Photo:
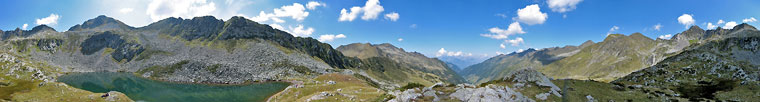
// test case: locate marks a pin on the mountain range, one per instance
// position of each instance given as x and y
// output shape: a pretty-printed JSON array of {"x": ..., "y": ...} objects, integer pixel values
[{"x": 695, "y": 65}]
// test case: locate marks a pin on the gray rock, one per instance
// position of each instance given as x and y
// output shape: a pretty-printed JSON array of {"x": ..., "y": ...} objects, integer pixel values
[
  {"x": 590, "y": 99},
  {"x": 542, "y": 96},
  {"x": 490, "y": 93}
]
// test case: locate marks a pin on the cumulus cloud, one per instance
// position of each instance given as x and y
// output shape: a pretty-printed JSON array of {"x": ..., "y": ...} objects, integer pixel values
[
  {"x": 613, "y": 29},
  {"x": 748, "y": 20},
  {"x": 711, "y": 26},
  {"x": 520, "y": 50},
  {"x": 393, "y": 16},
  {"x": 443, "y": 52},
  {"x": 498, "y": 33},
  {"x": 515, "y": 42},
  {"x": 50, "y": 20},
  {"x": 301, "y": 31},
  {"x": 330, "y": 37},
  {"x": 400, "y": 39},
  {"x": 562, "y": 6},
  {"x": 126, "y": 10},
  {"x": 666, "y": 36},
  {"x": 730, "y": 25},
  {"x": 721, "y": 22},
  {"x": 313, "y": 5},
  {"x": 531, "y": 15},
  {"x": 370, "y": 11},
  {"x": 278, "y": 26},
  {"x": 24, "y": 26},
  {"x": 296, "y": 11},
  {"x": 160, "y": 9},
  {"x": 657, "y": 27},
  {"x": 686, "y": 20},
  {"x": 502, "y": 46}
]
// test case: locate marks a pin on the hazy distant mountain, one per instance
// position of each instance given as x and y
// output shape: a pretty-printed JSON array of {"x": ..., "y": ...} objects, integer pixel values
[
  {"x": 501, "y": 65},
  {"x": 463, "y": 61}
]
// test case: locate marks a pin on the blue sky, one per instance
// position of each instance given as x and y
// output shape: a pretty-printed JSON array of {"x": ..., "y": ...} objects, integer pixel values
[{"x": 425, "y": 26}]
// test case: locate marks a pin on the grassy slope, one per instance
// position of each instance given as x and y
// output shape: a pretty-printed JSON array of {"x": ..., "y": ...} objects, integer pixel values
[
  {"x": 352, "y": 89},
  {"x": 615, "y": 57}
]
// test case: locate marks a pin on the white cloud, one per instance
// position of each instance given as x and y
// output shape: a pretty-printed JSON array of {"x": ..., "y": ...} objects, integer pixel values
[
  {"x": 370, "y": 11},
  {"x": 300, "y": 31},
  {"x": 666, "y": 36},
  {"x": 686, "y": 20},
  {"x": 711, "y": 26},
  {"x": 393, "y": 16},
  {"x": 501, "y": 15},
  {"x": 498, "y": 33},
  {"x": 730, "y": 25},
  {"x": 413, "y": 26},
  {"x": 296, "y": 11},
  {"x": 613, "y": 29},
  {"x": 346, "y": 16},
  {"x": 516, "y": 41},
  {"x": 313, "y": 5},
  {"x": 502, "y": 46},
  {"x": 330, "y": 37},
  {"x": 126, "y": 10},
  {"x": 400, "y": 39},
  {"x": 520, "y": 50},
  {"x": 721, "y": 22},
  {"x": 24, "y": 26},
  {"x": 531, "y": 15},
  {"x": 562, "y": 6},
  {"x": 160, "y": 9},
  {"x": 443, "y": 52},
  {"x": 278, "y": 26},
  {"x": 657, "y": 27},
  {"x": 50, "y": 20},
  {"x": 751, "y": 19}
]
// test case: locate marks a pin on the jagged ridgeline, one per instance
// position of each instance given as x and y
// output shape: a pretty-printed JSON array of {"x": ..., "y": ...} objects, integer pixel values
[
  {"x": 723, "y": 65},
  {"x": 208, "y": 28}
]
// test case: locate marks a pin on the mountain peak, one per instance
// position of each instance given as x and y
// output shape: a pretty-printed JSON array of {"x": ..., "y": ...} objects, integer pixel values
[
  {"x": 587, "y": 43},
  {"x": 613, "y": 36},
  {"x": 744, "y": 26},
  {"x": 42, "y": 28},
  {"x": 101, "y": 22},
  {"x": 695, "y": 27},
  {"x": 694, "y": 32}
]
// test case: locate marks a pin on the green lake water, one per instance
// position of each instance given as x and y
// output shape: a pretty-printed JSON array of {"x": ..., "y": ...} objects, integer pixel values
[{"x": 146, "y": 90}]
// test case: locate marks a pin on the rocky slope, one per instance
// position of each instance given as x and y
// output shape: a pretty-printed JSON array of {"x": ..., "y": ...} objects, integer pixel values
[
  {"x": 394, "y": 65},
  {"x": 202, "y": 49},
  {"x": 725, "y": 69}
]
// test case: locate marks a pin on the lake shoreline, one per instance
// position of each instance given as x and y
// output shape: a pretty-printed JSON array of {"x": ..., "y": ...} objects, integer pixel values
[
  {"x": 285, "y": 84},
  {"x": 203, "y": 83}
]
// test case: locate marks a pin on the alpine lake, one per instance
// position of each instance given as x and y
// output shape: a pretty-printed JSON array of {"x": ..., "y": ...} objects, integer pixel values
[{"x": 146, "y": 90}]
